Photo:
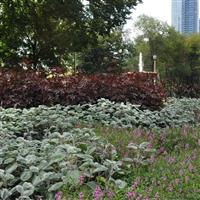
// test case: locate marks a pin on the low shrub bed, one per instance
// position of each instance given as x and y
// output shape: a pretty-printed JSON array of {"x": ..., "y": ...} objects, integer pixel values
[
  {"x": 53, "y": 152},
  {"x": 79, "y": 164},
  {"x": 36, "y": 122},
  {"x": 181, "y": 90},
  {"x": 35, "y": 169},
  {"x": 28, "y": 89}
]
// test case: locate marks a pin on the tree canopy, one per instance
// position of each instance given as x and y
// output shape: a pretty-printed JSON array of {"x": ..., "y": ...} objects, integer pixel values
[
  {"x": 193, "y": 45},
  {"x": 44, "y": 31},
  {"x": 177, "y": 55},
  {"x": 158, "y": 38}
]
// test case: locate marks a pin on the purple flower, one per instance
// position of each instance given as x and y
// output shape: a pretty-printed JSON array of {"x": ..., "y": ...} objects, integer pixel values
[
  {"x": 171, "y": 160},
  {"x": 190, "y": 168},
  {"x": 150, "y": 136},
  {"x": 81, "y": 196},
  {"x": 149, "y": 146},
  {"x": 138, "y": 133},
  {"x": 97, "y": 194},
  {"x": 131, "y": 195},
  {"x": 110, "y": 194},
  {"x": 194, "y": 155},
  {"x": 81, "y": 180},
  {"x": 161, "y": 150},
  {"x": 156, "y": 196},
  {"x": 58, "y": 196}
]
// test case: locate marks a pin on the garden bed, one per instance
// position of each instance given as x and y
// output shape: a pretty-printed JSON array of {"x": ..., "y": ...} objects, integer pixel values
[
  {"x": 100, "y": 151},
  {"x": 29, "y": 89}
]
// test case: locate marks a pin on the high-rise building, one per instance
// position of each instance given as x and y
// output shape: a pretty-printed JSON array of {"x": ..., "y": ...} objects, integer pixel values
[
  {"x": 185, "y": 16},
  {"x": 199, "y": 25},
  {"x": 190, "y": 16},
  {"x": 177, "y": 15}
]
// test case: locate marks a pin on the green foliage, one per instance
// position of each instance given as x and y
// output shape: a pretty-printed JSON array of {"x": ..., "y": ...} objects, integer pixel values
[
  {"x": 109, "y": 54},
  {"x": 158, "y": 38},
  {"x": 37, "y": 122},
  {"x": 177, "y": 55},
  {"x": 38, "y": 167},
  {"x": 185, "y": 81},
  {"x": 193, "y": 45},
  {"x": 44, "y": 150},
  {"x": 46, "y": 31},
  {"x": 173, "y": 172}
]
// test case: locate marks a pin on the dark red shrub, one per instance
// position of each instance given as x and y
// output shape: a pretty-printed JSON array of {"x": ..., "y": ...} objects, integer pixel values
[
  {"x": 27, "y": 89},
  {"x": 181, "y": 89}
]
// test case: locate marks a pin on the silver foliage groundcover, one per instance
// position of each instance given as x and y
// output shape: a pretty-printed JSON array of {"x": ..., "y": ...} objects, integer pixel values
[
  {"x": 42, "y": 150},
  {"x": 177, "y": 112},
  {"x": 33, "y": 168}
]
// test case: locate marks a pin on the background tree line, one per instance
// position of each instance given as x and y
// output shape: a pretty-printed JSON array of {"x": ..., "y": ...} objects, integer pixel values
[
  {"x": 88, "y": 37},
  {"x": 178, "y": 55},
  {"x": 49, "y": 32}
]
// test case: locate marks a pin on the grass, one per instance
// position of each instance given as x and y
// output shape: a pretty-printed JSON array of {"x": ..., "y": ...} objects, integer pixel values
[{"x": 173, "y": 173}]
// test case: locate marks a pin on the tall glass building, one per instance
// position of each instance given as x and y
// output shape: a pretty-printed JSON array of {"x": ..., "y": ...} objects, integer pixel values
[
  {"x": 199, "y": 25},
  {"x": 185, "y": 16},
  {"x": 177, "y": 15},
  {"x": 190, "y": 16}
]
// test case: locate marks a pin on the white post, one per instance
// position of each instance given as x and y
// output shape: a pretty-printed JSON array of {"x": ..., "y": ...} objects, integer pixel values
[
  {"x": 154, "y": 67},
  {"x": 140, "y": 63},
  {"x": 154, "y": 63}
]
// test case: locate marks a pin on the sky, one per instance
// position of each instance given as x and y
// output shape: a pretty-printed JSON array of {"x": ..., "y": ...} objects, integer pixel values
[{"x": 160, "y": 9}]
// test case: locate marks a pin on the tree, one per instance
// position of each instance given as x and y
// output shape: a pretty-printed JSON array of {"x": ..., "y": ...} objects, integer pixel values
[
  {"x": 193, "y": 46},
  {"x": 108, "y": 55},
  {"x": 158, "y": 38},
  {"x": 44, "y": 31}
]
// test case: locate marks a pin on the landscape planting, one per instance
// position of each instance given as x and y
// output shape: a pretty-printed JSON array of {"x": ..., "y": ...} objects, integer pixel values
[
  {"x": 105, "y": 149},
  {"x": 97, "y": 103},
  {"x": 27, "y": 89},
  {"x": 59, "y": 139}
]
